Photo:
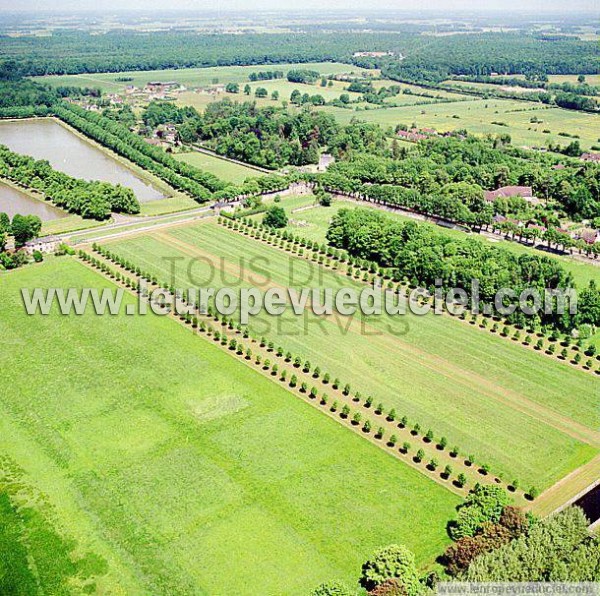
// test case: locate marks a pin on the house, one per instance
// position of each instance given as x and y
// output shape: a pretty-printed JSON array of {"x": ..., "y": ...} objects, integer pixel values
[
  {"x": 590, "y": 157},
  {"x": 506, "y": 192},
  {"x": 372, "y": 54},
  {"x": 588, "y": 235},
  {"x": 48, "y": 244},
  {"x": 412, "y": 135},
  {"x": 325, "y": 160},
  {"x": 160, "y": 86}
]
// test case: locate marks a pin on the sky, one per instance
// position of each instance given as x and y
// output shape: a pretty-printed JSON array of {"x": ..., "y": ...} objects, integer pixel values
[{"x": 304, "y": 5}]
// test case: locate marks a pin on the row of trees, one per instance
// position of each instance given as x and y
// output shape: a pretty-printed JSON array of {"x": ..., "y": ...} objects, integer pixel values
[
  {"x": 112, "y": 134},
  {"x": 90, "y": 199},
  {"x": 573, "y": 189}
]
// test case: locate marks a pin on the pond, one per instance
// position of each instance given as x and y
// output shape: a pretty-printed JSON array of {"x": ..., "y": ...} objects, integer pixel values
[
  {"x": 46, "y": 139},
  {"x": 590, "y": 503},
  {"x": 13, "y": 201}
]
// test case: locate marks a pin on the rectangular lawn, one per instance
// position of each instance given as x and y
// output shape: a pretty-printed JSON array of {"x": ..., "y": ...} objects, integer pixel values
[
  {"x": 510, "y": 407},
  {"x": 181, "y": 470}
]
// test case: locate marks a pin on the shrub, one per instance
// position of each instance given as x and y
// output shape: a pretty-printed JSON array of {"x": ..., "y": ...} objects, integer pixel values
[
  {"x": 333, "y": 588},
  {"x": 419, "y": 456}
]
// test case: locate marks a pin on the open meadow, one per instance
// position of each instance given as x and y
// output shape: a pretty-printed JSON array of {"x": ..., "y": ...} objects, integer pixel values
[
  {"x": 188, "y": 77},
  {"x": 478, "y": 116},
  {"x": 529, "y": 417},
  {"x": 141, "y": 458},
  {"x": 222, "y": 168}
]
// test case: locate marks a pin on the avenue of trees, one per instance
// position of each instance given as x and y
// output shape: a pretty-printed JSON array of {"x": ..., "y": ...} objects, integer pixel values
[
  {"x": 422, "y": 255},
  {"x": 426, "y": 180},
  {"x": 90, "y": 199},
  {"x": 119, "y": 138}
]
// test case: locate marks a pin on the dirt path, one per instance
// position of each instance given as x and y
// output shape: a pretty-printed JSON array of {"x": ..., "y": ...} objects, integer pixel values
[{"x": 567, "y": 488}]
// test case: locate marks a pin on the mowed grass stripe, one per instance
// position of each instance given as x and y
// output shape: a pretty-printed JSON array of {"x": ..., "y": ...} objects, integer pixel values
[
  {"x": 195, "y": 471},
  {"x": 491, "y": 364},
  {"x": 513, "y": 443}
]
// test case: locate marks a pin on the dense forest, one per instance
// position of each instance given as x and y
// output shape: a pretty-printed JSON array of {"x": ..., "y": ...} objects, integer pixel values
[
  {"x": 77, "y": 52},
  {"x": 423, "y": 255},
  {"x": 270, "y": 137},
  {"x": 487, "y": 53},
  {"x": 427, "y": 58}
]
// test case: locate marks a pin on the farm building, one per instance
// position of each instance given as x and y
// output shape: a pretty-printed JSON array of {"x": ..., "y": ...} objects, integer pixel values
[
  {"x": 506, "y": 192},
  {"x": 590, "y": 157},
  {"x": 48, "y": 244},
  {"x": 325, "y": 160}
]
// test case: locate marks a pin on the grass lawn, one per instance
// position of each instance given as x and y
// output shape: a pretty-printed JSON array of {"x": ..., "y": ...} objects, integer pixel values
[
  {"x": 329, "y": 93},
  {"x": 167, "y": 466},
  {"x": 180, "y": 202},
  {"x": 477, "y": 117},
  {"x": 71, "y": 223},
  {"x": 509, "y": 406},
  {"x": 222, "y": 168},
  {"x": 189, "y": 77}
]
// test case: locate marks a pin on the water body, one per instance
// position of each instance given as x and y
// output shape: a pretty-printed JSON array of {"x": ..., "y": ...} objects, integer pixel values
[
  {"x": 12, "y": 201},
  {"x": 46, "y": 139},
  {"x": 590, "y": 503}
]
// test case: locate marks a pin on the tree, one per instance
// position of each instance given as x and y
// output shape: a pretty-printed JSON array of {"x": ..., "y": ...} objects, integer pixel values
[
  {"x": 247, "y": 89},
  {"x": 392, "y": 562},
  {"x": 25, "y": 228},
  {"x": 232, "y": 88},
  {"x": 261, "y": 92},
  {"x": 275, "y": 217},
  {"x": 557, "y": 548},
  {"x": 275, "y": 95},
  {"x": 484, "y": 504}
]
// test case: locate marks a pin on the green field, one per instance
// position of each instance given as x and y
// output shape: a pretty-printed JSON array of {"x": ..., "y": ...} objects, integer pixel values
[
  {"x": 143, "y": 459},
  {"x": 511, "y": 407},
  {"x": 313, "y": 223},
  {"x": 222, "y": 168},
  {"x": 189, "y": 77},
  {"x": 477, "y": 117}
]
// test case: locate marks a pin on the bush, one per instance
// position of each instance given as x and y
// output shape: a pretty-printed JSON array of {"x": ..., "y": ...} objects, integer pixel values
[
  {"x": 333, "y": 588},
  {"x": 275, "y": 217}
]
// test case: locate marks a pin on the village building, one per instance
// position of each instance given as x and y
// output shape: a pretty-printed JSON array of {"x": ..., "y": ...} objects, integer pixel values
[
  {"x": 588, "y": 235},
  {"x": 45, "y": 245},
  {"x": 506, "y": 192},
  {"x": 595, "y": 157},
  {"x": 372, "y": 54},
  {"x": 325, "y": 160}
]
